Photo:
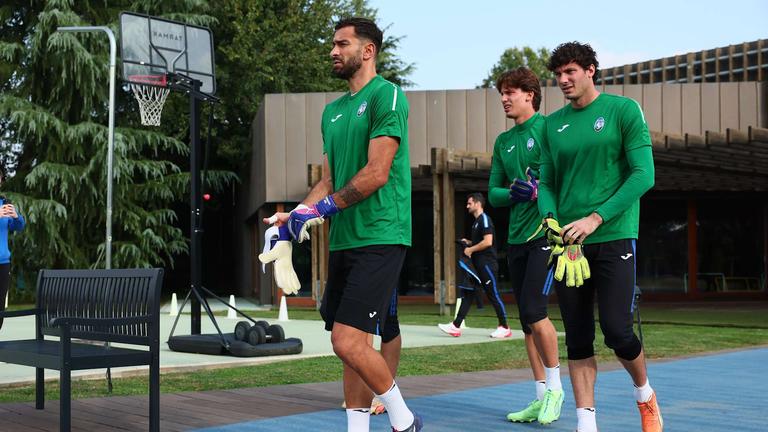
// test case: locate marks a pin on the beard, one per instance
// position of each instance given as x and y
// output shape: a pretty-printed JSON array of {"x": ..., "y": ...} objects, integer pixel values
[{"x": 349, "y": 67}]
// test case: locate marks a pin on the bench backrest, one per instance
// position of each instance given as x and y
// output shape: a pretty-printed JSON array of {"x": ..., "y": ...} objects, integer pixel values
[{"x": 114, "y": 293}]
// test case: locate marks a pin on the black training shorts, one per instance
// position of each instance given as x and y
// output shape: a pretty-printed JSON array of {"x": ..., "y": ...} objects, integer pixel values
[
  {"x": 360, "y": 286},
  {"x": 528, "y": 274}
]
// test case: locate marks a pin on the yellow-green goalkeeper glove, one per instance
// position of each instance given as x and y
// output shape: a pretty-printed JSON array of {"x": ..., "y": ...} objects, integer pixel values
[
  {"x": 573, "y": 265},
  {"x": 554, "y": 239},
  {"x": 279, "y": 250}
]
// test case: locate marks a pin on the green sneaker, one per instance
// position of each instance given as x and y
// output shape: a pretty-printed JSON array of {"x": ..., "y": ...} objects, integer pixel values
[
  {"x": 529, "y": 414},
  {"x": 550, "y": 406}
]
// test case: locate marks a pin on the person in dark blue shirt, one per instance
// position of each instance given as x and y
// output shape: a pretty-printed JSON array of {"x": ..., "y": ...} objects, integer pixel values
[{"x": 481, "y": 249}]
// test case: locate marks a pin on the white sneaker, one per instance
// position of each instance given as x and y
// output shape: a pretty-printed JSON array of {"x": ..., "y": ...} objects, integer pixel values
[
  {"x": 450, "y": 329},
  {"x": 501, "y": 333}
]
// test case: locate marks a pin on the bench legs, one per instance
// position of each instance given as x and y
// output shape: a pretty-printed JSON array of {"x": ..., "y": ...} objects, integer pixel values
[
  {"x": 154, "y": 394},
  {"x": 39, "y": 388},
  {"x": 65, "y": 401}
]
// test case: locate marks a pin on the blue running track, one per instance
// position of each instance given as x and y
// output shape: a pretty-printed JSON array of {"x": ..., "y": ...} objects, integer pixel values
[{"x": 724, "y": 392}]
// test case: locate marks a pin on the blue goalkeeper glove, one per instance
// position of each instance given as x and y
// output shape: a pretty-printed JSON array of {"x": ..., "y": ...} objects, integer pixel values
[
  {"x": 524, "y": 190},
  {"x": 303, "y": 217}
]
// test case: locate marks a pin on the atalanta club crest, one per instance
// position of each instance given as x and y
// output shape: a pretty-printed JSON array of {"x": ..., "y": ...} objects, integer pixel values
[
  {"x": 599, "y": 124},
  {"x": 530, "y": 144},
  {"x": 362, "y": 108}
]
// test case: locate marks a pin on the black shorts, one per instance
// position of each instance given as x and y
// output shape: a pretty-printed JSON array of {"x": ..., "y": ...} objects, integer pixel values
[
  {"x": 612, "y": 287},
  {"x": 528, "y": 274},
  {"x": 360, "y": 285},
  {"x": 391, "y": 328}
]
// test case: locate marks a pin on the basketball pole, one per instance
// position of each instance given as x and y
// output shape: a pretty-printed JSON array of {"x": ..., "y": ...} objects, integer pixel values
[
  {"x": 110, "y": 144},
  {"x": 195, "y": 197}
]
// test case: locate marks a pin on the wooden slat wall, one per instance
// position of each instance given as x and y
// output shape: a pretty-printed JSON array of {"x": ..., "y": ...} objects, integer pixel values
[
  {"x": 456, "y": 119},
  {"x": 495, "y": 120},
  {"x": 417, "y": 128},
  {"x": 274, "y": 149},
  {"x": 690, "y": 95},
  {"x": 295, "y": 146},
  {"x": 477, "y": 139},
  {"x": 286, "y": 134}
]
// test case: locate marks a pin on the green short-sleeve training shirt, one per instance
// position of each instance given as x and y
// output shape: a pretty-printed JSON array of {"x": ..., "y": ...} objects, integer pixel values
[
  {"x": 587, "y": 149},
  {"x": 514, "y": 151},
  {"x": 348, "y": 125}
]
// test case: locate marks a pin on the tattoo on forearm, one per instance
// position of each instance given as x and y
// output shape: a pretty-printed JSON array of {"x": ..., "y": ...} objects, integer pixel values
[{"x": 350, "y": 195}]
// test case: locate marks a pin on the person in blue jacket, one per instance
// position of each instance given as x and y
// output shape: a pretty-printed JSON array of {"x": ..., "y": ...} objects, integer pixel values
[{"x": 10, "y": 220}]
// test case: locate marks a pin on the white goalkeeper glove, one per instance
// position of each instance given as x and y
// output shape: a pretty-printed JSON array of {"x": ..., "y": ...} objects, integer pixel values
[{"x": 279, "y": 250}]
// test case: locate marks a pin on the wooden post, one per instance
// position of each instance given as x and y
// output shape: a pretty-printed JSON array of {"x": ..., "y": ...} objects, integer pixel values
[
  {"x": 319, "y": 245},
  {"x": 277, "y": 293},
  {"x": 693, "y": 255},
  {"x": 449, "y": 228},
  {"x": 437, "y": 222}
]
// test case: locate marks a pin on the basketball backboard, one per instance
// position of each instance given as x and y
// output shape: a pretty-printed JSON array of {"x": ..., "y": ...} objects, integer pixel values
[{"x": 152, "y": 46}]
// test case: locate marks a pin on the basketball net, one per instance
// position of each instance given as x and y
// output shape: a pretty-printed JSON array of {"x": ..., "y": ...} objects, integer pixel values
[{"x": 150, "y": 91}]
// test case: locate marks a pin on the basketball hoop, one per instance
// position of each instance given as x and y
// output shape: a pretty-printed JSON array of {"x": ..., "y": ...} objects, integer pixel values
[{"x": 150, "y": 91}]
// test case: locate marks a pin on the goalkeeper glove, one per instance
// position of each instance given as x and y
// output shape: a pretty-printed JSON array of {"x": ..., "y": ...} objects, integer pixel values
[
  {"x": 303, "y": 217},
  {"x": 524, "y": 190},
  {"x": 278, "y": 249},
  {"x": 572, "y": 264}
]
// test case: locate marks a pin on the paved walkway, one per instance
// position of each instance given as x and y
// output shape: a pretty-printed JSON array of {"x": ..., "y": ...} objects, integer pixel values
[
  {"x": 711, "y": 393},
  {"x": 708, "y": 394},
  {"x": 316, "y": 342}
]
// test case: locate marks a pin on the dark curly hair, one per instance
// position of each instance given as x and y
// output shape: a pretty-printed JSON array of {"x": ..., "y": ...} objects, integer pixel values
[
  {"x": 524, "y": 79},
  {"x": 574, "y": 52}
]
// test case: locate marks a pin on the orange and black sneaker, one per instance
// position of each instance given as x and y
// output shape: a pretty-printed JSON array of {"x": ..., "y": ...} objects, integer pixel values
[{"x": 650, "y": 415}]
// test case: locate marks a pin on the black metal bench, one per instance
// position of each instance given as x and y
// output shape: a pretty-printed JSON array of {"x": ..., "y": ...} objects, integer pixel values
[{"x": 119, "y": 306}]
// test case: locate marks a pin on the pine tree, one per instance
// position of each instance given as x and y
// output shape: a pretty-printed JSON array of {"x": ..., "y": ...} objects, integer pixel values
[{"x": 53, "y": 111}]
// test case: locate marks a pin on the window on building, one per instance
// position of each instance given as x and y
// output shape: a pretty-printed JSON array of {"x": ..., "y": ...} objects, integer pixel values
[
  {"x": 662, "y": 245},
  {"x": 731, "y": 244}
]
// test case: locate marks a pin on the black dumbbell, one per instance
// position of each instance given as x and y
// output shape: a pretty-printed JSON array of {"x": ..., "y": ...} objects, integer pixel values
[
  {"x": 273, "y": 334},
  {"x": 241, "y": 330},
  {"x": 256, "y": 335},
  {"x": 242, "y": 327}
]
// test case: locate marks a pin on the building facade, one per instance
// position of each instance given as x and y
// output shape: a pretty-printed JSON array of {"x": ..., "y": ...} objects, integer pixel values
[{"x": 707, "y": 215}]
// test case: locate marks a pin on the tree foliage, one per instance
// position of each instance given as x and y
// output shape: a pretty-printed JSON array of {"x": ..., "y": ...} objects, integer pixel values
[
  {"x": 53, "y": 112},
  {"x": 534, "y": 59},
  {"x": 53, "y": 117},
  {"x": 280, "y": 46}
]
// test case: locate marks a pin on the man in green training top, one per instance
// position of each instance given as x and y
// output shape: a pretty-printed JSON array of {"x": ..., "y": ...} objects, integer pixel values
[
  {"x": 596, "y": 163},
  {"x": 513, "y": 184},
  {"x": 366, "y": 188}
]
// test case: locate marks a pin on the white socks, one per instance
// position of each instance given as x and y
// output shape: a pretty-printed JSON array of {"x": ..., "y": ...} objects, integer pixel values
[
  {"x": 644, "y": 392},
  {"x": 358, "y": 419},
  {"x": 587, "y": 421},
  {"x": 553, "y": 378},
  {"x": 541, "y": 387},
  {"x": 400, "y": 417}
]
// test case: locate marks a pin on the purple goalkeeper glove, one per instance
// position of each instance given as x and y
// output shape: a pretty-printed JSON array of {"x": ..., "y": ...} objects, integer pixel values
[
  {"x": 522, "y": 190},
  {"x": 302, "y": 217}
]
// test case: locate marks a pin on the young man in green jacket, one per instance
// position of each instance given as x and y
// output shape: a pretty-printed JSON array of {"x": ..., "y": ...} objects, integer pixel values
[{"x": 513, "y": 184}]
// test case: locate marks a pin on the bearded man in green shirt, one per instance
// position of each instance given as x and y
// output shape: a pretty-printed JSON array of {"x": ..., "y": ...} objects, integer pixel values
[
  {"x": 596, "y": 163},
  {"x": 366, "y": 188}
]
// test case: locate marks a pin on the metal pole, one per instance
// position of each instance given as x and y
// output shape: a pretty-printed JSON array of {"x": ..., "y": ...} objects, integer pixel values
[
  {"x": 110, "y": 143},
  {"x": 111, "y": 134},
  {"x": 195, "y": 200}
]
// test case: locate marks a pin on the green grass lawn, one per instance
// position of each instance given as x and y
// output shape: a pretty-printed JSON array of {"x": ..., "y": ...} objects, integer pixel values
[
  {"x": 720, "y": 314},
  {"x": 669, "y": 331}
]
